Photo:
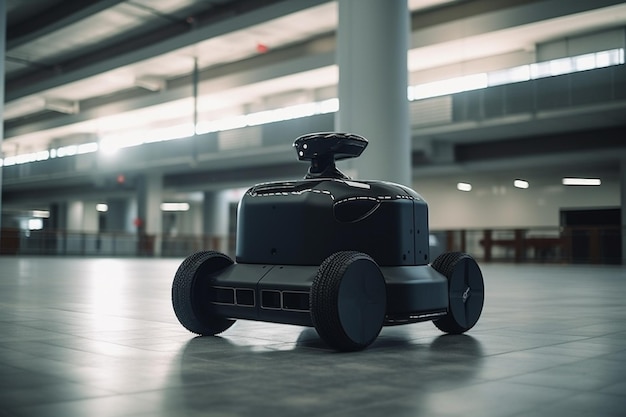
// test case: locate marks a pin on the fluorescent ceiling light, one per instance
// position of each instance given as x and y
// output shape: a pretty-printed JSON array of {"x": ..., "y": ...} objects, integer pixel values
[
  {"x": 174, "y": 206},
  {"x": 463, "y": 186},
  {"x": 581, "y": 181},
  {"x": 41, "y": 214},
  {"x": 520, "y": 184},
  {"x": 102, "y": 208}
]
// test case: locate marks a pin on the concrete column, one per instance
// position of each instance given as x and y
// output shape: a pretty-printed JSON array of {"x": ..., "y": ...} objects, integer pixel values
[
  {"x": 216, "y": 217},
  {"x": 372, "y": 44},
  {"x": 90, "y": 217},
  {"x": 3, "y": 18},
  {"x": 75, "y": 213},
  {"x": 623, "y": 207},
  {"x": 131, "y": 216},
  {"x": 58, "y": 216},
  {"x": 149, "y": 215},
  {"x": 117, "y": 218}
]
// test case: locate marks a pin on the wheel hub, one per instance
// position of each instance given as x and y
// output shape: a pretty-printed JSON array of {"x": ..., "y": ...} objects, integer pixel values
[{"x": 466, "y": 294}]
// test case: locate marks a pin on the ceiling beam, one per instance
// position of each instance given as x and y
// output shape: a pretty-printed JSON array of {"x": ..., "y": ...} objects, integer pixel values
[
  {"x": 133, "y": 51},
  {"x": 293, "y": 61},
  {"x": 53, "y": 19}
]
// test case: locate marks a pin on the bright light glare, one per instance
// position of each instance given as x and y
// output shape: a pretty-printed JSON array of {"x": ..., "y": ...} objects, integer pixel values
[
  {"x": 110, "y": 144},
  {"x": 463, "y": 186},
  {"x": 35, "y": 224},
  {"x": 561, "y": 66},
  {"x": 67, "y": 151},
  {"x": 328, "y": 106},
  {"x": 582, "y": 181},
  {"x": 174, "y": 206},
  {"x": 450, "y": 86},
  {"x": 268, "y": 116},
  {"x": 520, "y": 184},
  {"x": 41, "y": 214},
  {"x": 585, "y": 62},
  {"x": 87, "y": 148},
  {"x": 25, "y": 158},
  {"x": 113, "y": 142},
  {"x": 102, "y": 208}
]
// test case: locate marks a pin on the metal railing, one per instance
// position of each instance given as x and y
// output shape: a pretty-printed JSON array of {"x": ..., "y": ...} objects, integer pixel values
[
  {"x": 115, "y": 244},
  {"x": 592, "y": 245}
]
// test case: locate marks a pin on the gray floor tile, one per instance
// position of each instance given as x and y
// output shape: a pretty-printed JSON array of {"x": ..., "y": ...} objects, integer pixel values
[{"x": 91, "y": 337}]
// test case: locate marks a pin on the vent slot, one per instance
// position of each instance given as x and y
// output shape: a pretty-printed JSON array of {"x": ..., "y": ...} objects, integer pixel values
[
  {"x": 244, "y": 297},
  {"x": 285, "y": 300},
  {"x": 297, "y": 301},
  {"x": 221, "y": 295},
  {"x": 232, "y": 296},
  {"x": 271, "y": 299}
]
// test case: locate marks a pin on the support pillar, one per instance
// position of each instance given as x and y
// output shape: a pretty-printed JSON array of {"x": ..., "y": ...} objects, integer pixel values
[
  {"x": 117, "y": 216},
  {"x": 3, "y": 18},
  {"x": 149, "y": 217},
  {"x": 216, "y": 218},
  {"x": 372, "y": 44},
  {"x": 58, "y": 216},
  {"x": 75, "y": 213},
  {"x": 90, "y": 217},
  {"x": 622, "y": 183}
]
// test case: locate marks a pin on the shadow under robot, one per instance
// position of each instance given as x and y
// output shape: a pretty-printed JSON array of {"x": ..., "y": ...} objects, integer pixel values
[{"x": 346, "y": 257}]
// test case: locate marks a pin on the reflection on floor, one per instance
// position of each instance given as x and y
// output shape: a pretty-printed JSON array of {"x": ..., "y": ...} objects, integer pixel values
[{"x": 97, "y": 337}]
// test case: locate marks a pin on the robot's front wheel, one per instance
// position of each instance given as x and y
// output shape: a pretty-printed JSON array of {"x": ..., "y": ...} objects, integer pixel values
[
  {"x": 190, "y": 291},
  {"x": 348, "y": 301},
  {"x": 466, "y": 291}
]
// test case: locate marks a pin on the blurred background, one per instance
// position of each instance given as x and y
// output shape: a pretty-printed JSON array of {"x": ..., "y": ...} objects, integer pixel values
[{"x": 133, "y": 127}]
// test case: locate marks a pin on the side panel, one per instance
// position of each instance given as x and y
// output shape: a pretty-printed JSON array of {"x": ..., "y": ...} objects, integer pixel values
[
  {"x": 414, "y": 290},
  {"x": 273, "y": 293},
  {"x": 280, "y": 293},
  {"x": 284, "y": 294},
  {"x": 304, "y": 230},
  {"x": 422, "y": 245}
]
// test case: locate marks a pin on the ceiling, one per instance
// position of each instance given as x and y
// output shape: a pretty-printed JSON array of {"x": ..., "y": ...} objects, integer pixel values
[{"x": 77, "y": 70}]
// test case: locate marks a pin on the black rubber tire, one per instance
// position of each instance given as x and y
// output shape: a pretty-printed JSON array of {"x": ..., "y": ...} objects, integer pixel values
[
  {"x": 466, "y": 291},
  {"x": 348, "y": 301},
  {"x": 190, "y": 291}
]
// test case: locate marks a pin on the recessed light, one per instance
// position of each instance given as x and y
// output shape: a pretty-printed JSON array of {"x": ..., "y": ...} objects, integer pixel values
[
  {"x": 520, "y": 184},
  {"x": 581, "y": 181},
  {"x": 463, "y": 186},
  {"x": 174, "y": 206},
  {"x": 41, "y": 214}
]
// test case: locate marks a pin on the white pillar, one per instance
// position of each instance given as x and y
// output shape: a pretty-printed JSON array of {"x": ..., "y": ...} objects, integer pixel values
[
  {"x": 90, "y": 217},
  {"x": 3, "y": 25},
  {"x": 372, "y": 44},
  {"x": 75, "y": 214},
  {"x": 216, "y": 215},
  {"x": 149, "y": 199}
]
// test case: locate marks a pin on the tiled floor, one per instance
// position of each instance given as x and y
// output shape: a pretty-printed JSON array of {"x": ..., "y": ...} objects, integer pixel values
[{"x": 97, "y": 337}]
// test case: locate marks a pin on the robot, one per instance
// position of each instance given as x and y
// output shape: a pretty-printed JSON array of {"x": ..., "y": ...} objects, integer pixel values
[{"x": 346, "y": 257}]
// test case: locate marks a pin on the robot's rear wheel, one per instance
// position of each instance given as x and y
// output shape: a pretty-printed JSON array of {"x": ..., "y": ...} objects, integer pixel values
[
  {"x": 348, "y": 301},
  {"x": 190, "y": 289},
  {"x": 466, "y": 291}
]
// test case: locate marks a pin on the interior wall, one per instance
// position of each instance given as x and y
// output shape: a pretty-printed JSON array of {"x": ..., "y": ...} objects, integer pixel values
[{"x": 504, "y": 206}]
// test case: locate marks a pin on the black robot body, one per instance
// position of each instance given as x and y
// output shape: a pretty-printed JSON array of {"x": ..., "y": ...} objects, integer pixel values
[
  {"x": 344, "y": 256},
  {"x": 304, "y": 222}
]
